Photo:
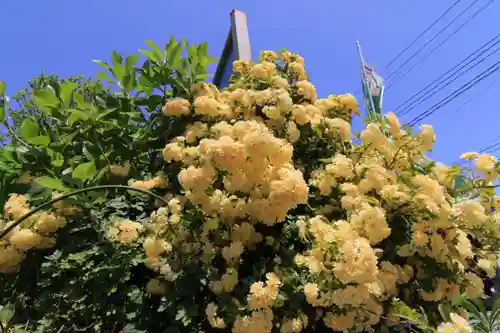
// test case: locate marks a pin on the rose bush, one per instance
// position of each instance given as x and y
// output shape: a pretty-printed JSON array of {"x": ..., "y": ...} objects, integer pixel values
[{"x": 279, "y": 218}]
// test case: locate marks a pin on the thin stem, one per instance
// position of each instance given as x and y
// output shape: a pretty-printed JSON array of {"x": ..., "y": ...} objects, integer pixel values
[
  {"x": 478, "y": 188},
  {"x": 11, "y": 131},
  {"x": 67, "y": 195},
  {"x": 98, "y": 143}
]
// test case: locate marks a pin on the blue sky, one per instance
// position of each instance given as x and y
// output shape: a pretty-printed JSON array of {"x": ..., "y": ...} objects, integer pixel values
[{"x": 64, "y": 36}]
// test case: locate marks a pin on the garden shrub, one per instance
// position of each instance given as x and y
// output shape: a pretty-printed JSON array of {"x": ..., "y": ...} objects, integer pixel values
[{"x": 277, "y": 218}]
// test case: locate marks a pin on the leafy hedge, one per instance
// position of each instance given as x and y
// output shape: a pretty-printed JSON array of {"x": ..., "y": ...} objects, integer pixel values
[{"x": 273, "y": 216}]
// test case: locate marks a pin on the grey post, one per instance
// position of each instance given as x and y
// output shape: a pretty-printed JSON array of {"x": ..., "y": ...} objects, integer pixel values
[{"x": 237, "y": 47}]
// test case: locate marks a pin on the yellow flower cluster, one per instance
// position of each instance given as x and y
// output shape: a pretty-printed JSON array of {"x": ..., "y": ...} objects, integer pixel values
[
  {"x": 295, "y": 223},
  {"x": 380, "y": 223},
  {"x": 32, "y": 233},
  {"x": 458, "y": 324}
]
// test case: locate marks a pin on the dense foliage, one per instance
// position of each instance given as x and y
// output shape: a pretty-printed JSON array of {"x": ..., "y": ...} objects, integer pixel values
[{"x": 275, "y": 219}]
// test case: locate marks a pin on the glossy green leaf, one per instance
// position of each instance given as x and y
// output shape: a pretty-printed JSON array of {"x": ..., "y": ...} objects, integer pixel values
[
  {"x": 192, "y": 53},
  {"x": 77, "y": 115},
  {"x": 84, "y": 171},
  {"x": 202, "y": 49},
  {"x": 3, "y": 86},
  {"x": 174, "y": 58},
  {"x": 105, "y": 113},
  {"x": 104, "y": 76},
  {"x": 131, "y": 60},
  {"x": 157, "y": 52},
  {"x": 58, "y": 163},
  {"x": 102, "y": 64},
  {"x": 202, "y": 77},
  {"x": 116, "y": 58},
  {"x": 119, "y": 72},
  {"x": 51, "y": 183},
  {"x": 170, "y": 46},
  {"x": 39, "y": 140},
  {"x": 150, "y": 55},
  {"x": 66, "y": 92},
  {"x": 79, "y": 100},
  {"x": 28, "y": 129},
  {"x": 6, "y": 313},
  {"x": 45, "y": 99}
]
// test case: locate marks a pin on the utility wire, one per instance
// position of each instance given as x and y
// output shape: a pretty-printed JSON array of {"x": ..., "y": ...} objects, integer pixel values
[
  {"x": 451, "y": 70},
  {"x": 455, "y": 94},
  {"x": 419, "y": 36},
  {"x": 492, "y": 69},
  {"x": 477, "y": 95},
  {"x": 423, "y": 33},
  {"x": 432, "y": 39},
  {"x": 442, "y": 42},
  {"x": 494, "y": 145},
  {"x": 437, "y": 89}
]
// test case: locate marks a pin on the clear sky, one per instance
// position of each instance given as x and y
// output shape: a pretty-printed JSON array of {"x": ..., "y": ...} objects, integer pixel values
[{"x": 63, "y": 36}]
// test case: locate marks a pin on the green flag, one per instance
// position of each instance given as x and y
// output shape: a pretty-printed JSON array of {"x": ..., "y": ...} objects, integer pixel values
[{"x": 373, "y": 88}]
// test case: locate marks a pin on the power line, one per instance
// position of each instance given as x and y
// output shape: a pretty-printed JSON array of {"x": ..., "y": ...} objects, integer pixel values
[
  {"x": 437, "y": 88},
  {"x": 423, "y": 33},
  {"x": 492, "y": 69},
  {"x": 432, "y": 39},
  {"x": 494, "y": 146},
  {"x": 419, "y": 36},
  {"x": 403, "y": 105},
  {"x": 442, "y": 42},
  {"x": 455, "y": 94},
  {"x": 477, "y": 95}
]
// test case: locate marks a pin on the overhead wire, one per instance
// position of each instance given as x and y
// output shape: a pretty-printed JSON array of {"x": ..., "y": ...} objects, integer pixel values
[
  {"x": 419, "y": 36},
  {"x": 477, "y": 95},
  {"x": 443, "y": 84},
  {"x": 442, "y": 42},
  {"x": 423, "y": 33},
  {"x": 464, "y": 88},
  {"x": 404, "y": 104},
  {"x": 432, "y": 39}
]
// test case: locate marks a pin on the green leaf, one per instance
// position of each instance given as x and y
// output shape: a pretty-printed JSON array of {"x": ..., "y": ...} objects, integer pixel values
[
  {"x": 116, "y": 58},
  {"x": 39, "y": 140},
  {"x": 119, "y": 73},
  {"x": 202, "y": 49},
  {"x": 66, "y": 92},
  {"x": 28, "y": 129},
  {"x": 203, "y": 76},
  {"x": 169, "y": 47},
  {"x": 6, "y": 313},
  {"x": 105, "y": 113},
  {"x": 158, "y": 54},
  {"x": 444, "y": 311},
  {"x": 58, "y": 163},
  {"x": 131, "y": 60},
  {"x": 175, "y": 57},
  {"x": 104, "y": 76},
  {"x": 77, "y": 115},
  {"x": 132, "y": 329},
  {"x": 149, "y": 54},
  {"x": 102, "y": 64},
  {"x": 51, "y": 183},
  {"x": 3, "y": 86},
  {"x": 79, "y": 99},
  {"x": 45, "y": 99},
  {"x": 181, "y": 313},
  {"x": 192, "y": 52},
  {"x": 84, "y": 171}
]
